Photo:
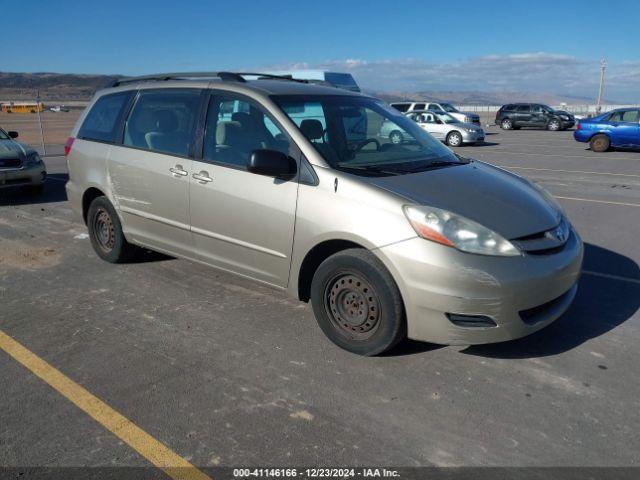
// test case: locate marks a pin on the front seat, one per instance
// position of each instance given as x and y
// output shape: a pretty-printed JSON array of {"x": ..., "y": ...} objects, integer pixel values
[
  {"x": 312, "y": 129},
  {"x": 166, "y": 137}
]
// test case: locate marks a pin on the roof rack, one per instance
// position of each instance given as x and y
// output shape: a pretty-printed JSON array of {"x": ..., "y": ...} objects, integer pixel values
[{"x": 226, "y": 76}]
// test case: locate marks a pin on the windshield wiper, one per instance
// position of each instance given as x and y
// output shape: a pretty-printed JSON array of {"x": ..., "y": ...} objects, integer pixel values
[{"x": 372, "y": 169}]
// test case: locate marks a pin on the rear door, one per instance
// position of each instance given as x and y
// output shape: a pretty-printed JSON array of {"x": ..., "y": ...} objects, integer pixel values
[
  {"x": 150, "y": 170},
  {"x": 241, "y": 221},
  {"x": 523, "y": 116},
  {"x": 625, "y": 129}
]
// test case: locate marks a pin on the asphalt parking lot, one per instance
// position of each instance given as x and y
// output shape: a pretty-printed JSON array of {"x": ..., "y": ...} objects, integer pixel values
[{"x": 227, "y": 372}]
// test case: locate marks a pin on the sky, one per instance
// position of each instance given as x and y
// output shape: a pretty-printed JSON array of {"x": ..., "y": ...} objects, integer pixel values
[{"x": 534, "y": 46}]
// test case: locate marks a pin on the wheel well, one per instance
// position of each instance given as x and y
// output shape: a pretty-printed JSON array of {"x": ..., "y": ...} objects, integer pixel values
[
  {"x": 89, "y": 196},
  {"x": 314, "y": 258}
]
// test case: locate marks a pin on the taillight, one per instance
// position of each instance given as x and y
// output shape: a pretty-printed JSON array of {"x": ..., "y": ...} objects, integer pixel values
[
  {"x": 578, "y": 126},
  {"x": 68, "y": 145}
]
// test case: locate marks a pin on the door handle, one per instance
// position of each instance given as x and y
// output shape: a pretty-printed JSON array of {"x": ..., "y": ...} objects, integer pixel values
[
  {"x": 203, "y": 177},
  {"x": 178, "y": 171}
]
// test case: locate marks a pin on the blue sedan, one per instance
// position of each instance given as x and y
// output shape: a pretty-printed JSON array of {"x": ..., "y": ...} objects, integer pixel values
[{"x": 618, "y": 128}]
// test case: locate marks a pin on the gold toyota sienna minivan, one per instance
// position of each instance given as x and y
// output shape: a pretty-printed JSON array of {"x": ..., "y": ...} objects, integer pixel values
[{"x": 292, "y": 184}]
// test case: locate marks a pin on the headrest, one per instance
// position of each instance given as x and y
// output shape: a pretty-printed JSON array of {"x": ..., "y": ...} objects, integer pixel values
[
  {"x": 312, "y": 128},
  {"x": 167, "y": 121},
  {"x": 228, "y": 133},
  {"x": 243, "y": 117}
]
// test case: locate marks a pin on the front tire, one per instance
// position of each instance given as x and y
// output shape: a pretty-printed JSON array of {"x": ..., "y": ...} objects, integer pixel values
[
  {"x": 506, "y": 124},
  {"x": 554, "y": 125},
  {"x": 599, "y": 143},
  {"x": 105, "y": 232},
  {"x": 454, "y": 139},
  {"x": 357, "y": 303}
]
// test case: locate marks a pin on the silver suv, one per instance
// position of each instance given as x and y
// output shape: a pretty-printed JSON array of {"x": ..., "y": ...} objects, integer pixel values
[{"x": 290, "y": 184}]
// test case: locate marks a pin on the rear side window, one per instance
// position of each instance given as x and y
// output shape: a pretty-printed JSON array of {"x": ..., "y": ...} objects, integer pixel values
[
  {"x": 163, "y": 121},
  {"x": 629, "y": 116},
  {"x": 102, "y": 121},
  {"x": 523, "y": 108},
  {"x": 419, "y": 106}
]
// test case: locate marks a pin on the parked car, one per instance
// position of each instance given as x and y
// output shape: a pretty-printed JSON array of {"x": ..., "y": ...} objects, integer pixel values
[
  {"x": 446, "y": 128},
  {"x": 517, "y": 115},
  {"x": 466, "y": 117},
  {"x": 386, "y": 240},
  {"x": 618, "y": 128},
  {"x": 59, "y": 109},
  {"x": 20, "y": 165}
]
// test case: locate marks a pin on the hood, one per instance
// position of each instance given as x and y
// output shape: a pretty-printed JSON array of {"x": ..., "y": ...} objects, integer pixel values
[
  {"x": 496, "y": 199},
  {"x": 10, "y": 149}
]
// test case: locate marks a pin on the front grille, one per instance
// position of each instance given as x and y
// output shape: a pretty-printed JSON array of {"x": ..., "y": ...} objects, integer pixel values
[
  {"x": 545, "y": 243},
  {"x": 10, "y": 162},
  {"x": 531, "y": 316}
]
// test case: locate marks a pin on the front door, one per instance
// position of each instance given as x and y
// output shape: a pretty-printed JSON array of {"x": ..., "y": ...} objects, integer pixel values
[
  {"x": 241, "y": 221},
  {"x": 150, "y": 171}
]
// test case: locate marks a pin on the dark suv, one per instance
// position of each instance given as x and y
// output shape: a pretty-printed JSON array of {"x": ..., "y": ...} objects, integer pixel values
[{"x": 517, "y": 115}]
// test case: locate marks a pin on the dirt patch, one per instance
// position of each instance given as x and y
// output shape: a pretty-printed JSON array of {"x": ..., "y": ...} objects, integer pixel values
[{"x": 15, "y": 254}]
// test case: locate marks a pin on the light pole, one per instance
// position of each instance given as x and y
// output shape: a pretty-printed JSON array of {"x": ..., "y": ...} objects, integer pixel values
[{"x": 603, "y": 66}]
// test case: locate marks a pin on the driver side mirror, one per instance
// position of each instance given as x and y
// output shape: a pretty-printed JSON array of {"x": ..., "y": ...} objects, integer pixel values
[
  {"x": 12, "y": 134},
  {"x": 272, "y": 163}
]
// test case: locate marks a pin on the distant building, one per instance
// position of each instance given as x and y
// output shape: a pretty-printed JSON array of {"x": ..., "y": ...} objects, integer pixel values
[{"x": 22, "y": 107}]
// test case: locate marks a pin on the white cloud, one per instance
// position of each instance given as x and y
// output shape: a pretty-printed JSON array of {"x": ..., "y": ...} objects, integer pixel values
[{"x": 526, "y": 72}]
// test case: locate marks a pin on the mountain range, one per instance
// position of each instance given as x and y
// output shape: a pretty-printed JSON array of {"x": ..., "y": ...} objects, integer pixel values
[{"x": 78, "y": 87}]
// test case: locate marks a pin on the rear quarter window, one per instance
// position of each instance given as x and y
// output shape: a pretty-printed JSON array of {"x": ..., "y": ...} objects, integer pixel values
[{"x": 102, "y": 121}]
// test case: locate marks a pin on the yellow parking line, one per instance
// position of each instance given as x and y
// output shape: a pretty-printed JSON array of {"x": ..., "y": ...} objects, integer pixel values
[
  {"x": 599, "y": 201},
  {"x": 156, "y": 452},
  {"x": 568, "y": 171},
  {"x": 612, "y": 277}
]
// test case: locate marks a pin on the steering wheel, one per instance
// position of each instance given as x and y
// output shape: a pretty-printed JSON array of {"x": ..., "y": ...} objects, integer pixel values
[{"x": 359, "y": 146}]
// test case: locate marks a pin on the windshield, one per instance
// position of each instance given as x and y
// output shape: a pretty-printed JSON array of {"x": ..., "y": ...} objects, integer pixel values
[
  {"x": 446, "y": 118},
  {"x": 3, "y": 135},
  {"x": 365, "y": 136},
  {"x": 447, "y": 107}
]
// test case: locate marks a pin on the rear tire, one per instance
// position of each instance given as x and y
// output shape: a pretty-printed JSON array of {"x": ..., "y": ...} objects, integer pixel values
[
  {"x": 105, "y": 232},
  {"x": 599, "y": 143},
  {"x": 506, "y": 124},
  {"x": 357, "y": 303}
]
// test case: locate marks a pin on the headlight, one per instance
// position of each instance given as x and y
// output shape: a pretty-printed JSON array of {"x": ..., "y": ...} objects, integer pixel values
[
  {"x": 455, "y": 231},
  {"x": 564, "y": 117},
  {"x": 33, "y": 159}
]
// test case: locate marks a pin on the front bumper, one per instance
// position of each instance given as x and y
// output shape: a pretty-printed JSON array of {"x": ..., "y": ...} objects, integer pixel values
[
  {"x": 520, "y": 294},
  {"x": 22, "y": 176},
  {"x": 473, "y": 137},
  {"x": 567, "y": 123}
]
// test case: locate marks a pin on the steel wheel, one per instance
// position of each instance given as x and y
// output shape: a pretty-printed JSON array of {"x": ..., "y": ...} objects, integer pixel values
[
  {"x": 352, "y": 306},
  {"x": 454, "y": 139},
  {"x": 104, "y": 231},
  {"x": 599, "y": 143}
]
